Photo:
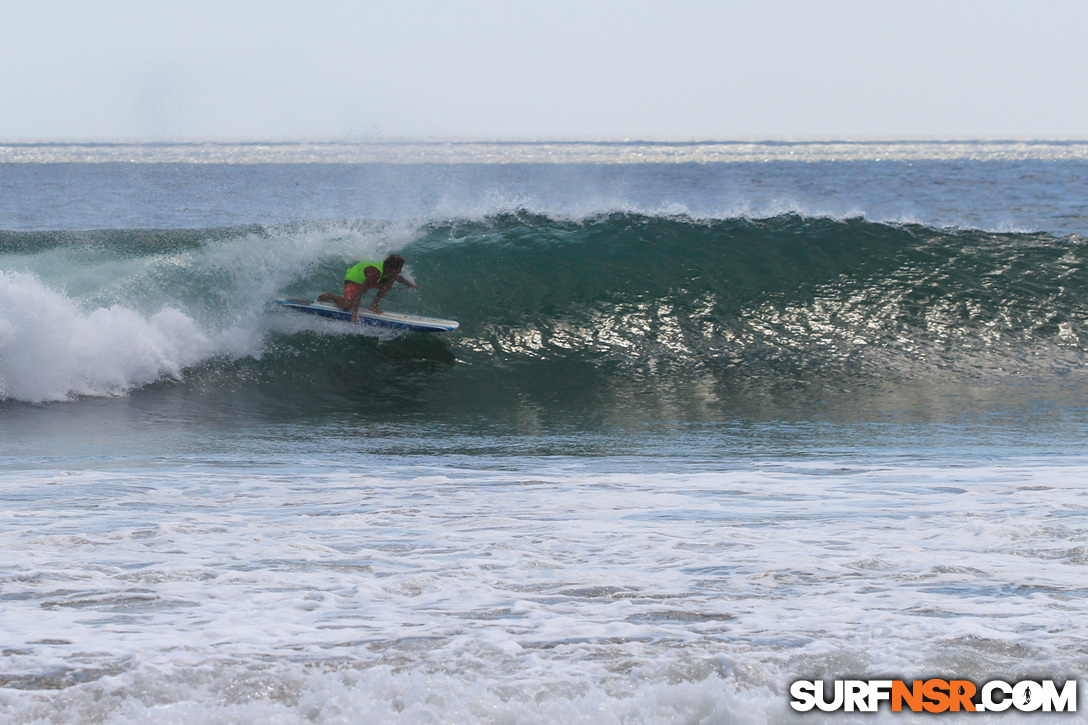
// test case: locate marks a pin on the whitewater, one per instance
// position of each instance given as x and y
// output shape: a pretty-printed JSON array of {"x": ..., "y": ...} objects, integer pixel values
[{"x": 718, "y": 417}]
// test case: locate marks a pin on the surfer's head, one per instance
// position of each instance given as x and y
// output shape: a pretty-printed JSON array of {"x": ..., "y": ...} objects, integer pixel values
[{"x": 393, "y": 263}]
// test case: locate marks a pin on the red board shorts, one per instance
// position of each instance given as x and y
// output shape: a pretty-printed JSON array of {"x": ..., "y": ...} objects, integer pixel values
[{"x": 352, "y": 290}]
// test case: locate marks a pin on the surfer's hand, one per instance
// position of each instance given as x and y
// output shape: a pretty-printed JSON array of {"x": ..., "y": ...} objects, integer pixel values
[{"x": 374, "y": 307}]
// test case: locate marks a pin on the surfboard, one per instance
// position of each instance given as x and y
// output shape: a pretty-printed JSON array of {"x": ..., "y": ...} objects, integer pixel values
[{"x": 392, "y": 320}]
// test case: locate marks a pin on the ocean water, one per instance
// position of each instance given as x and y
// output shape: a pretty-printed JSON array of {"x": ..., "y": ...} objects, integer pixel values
[{"x": 718, "y": 417}]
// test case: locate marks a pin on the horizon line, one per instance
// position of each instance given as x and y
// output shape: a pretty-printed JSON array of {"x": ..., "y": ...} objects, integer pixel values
[{"x": 542, "y": 141}]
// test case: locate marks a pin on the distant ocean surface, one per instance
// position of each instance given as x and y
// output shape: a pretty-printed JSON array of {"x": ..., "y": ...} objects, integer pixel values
[{"x": 718, "y": 417}]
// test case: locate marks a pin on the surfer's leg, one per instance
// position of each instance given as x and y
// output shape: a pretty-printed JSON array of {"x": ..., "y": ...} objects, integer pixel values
[{"x": 352, "y": 294}]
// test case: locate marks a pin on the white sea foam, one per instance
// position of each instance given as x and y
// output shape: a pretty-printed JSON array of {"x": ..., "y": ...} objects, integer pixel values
[
  {"x": 50, "y": 350},
  {"x": 587, "y": 592}
]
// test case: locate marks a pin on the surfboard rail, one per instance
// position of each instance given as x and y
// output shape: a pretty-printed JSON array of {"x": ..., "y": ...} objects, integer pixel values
[{"x": 391, "y": 320}]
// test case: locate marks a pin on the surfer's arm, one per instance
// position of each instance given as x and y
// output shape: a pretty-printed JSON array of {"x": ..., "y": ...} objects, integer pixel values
[
  {"x": 407, "y": 282},
  {"x": 374, "y": 307}
]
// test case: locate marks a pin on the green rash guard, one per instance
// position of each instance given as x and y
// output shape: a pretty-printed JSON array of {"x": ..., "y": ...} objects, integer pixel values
[{"x": 356, "y": 273}]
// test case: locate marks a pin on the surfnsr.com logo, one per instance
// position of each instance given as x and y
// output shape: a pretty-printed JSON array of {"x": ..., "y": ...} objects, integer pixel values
[{"x": 934, "y": 695}]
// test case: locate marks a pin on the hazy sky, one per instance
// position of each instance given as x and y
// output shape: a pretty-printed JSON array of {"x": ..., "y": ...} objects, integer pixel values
[{"x": 342, "y": 69}]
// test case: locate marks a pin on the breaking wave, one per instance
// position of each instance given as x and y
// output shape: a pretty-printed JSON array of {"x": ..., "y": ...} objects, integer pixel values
[{"x": 545, "y": 301}]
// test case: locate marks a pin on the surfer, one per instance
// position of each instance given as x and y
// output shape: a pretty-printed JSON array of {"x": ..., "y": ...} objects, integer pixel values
[{"x": 367, "y": 276}]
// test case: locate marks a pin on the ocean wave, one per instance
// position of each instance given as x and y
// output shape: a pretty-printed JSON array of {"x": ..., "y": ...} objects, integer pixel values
[
  {"x": 620, "y": 296},
  {"x": 788, "y": 293}
]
